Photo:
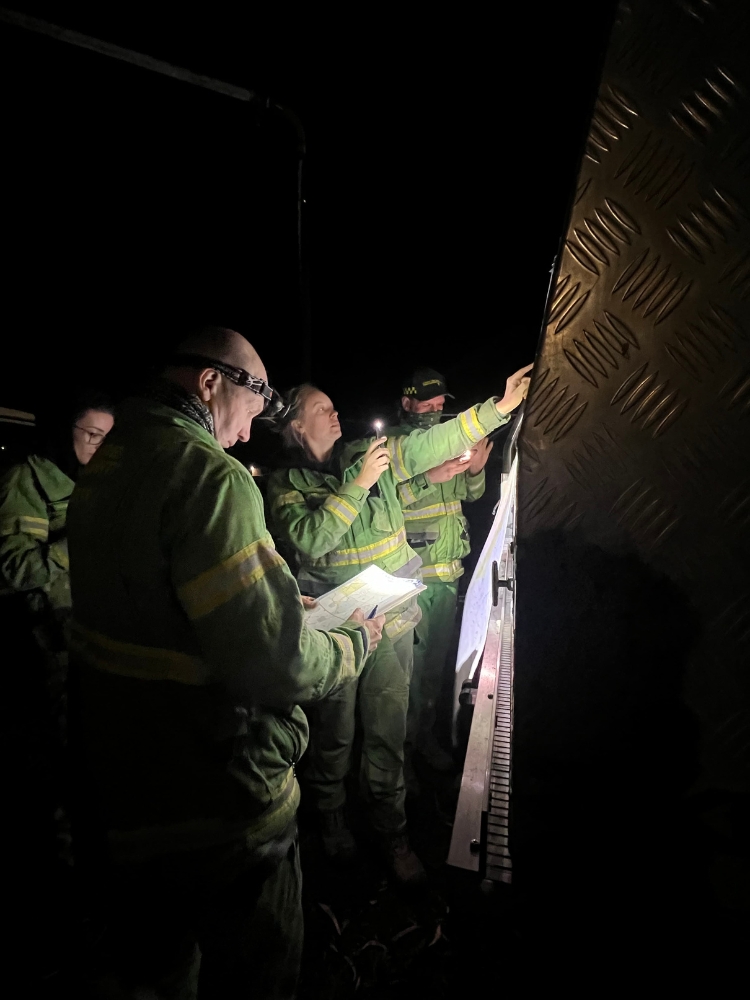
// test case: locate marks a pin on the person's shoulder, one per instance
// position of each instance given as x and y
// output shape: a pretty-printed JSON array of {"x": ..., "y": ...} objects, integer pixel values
[
  {"x": 46, "y": 468},
  {"x": 279, "y": 479},
  {"x": 31, "y": 468},
  {"x": 206, "y": 480},
  {"x": 13, "y": 476},
  {"x": 205, "y": 462}
]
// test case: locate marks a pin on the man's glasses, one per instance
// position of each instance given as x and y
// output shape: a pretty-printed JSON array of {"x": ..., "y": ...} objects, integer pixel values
[{"x": 272, "y": 401}]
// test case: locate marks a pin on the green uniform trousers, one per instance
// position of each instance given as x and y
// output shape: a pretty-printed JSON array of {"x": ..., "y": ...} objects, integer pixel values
[
  {"x": 219, "y": 923},
  {"x": 382, "y": 695},
  {"x": 434, "y": 632}
]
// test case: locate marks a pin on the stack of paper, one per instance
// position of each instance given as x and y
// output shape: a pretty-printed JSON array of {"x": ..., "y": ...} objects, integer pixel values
[{"x": 371, "y": 590}]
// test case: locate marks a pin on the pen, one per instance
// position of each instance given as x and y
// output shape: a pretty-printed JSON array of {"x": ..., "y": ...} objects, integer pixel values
[{"x": 373, "y": 612}]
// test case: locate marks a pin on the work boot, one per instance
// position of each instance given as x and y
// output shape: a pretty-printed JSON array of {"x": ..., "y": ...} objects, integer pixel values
[
  {"x": 433, "y": 754},
  {"x": 338, "y": 843},
  {"x": 403, "y": 862}
]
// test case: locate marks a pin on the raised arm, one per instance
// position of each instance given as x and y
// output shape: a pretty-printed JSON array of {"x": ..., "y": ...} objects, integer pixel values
[
  {"x": 316, "y": 530},
  {"x": 425, "y": 449}
]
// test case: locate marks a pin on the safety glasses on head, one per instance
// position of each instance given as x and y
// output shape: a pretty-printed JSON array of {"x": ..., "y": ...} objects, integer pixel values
[{"x": 273, "y": 404}]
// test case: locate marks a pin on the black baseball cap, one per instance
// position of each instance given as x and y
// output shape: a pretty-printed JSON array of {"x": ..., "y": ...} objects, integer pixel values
[{"x": 425, "y": 383}]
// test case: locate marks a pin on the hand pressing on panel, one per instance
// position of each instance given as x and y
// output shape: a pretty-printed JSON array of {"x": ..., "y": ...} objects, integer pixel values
[{"x": 516, "y": 388}]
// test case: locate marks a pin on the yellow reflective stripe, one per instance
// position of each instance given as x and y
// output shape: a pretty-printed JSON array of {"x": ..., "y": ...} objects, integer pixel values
[
  {"x": 147, "y": 842},
  {"x": 406, "y": 493},
  {"x": 38, "y": 526},
  {"x": 404, "y": 620},
  {"x": 287, "y": 498},
  {"x": 397, "y": 458},
  {"x": 348, "y": 668},
  {"x": 366, "y": 553},
  {"x": 471, "y": 426},
  {"x": 439, "y": 571},
  {"x": 342, "y": 509},
  {"x": 128, "y": 659},
  {"x": 434, "y": 510},
  {"x": 221, "y": 583}
]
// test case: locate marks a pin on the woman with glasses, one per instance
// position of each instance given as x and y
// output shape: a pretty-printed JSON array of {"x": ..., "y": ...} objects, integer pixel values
[
  {"x": 33, "y": 504},
  {"x": 35, "y": 596},
  {"x": 337, "y": 507}
]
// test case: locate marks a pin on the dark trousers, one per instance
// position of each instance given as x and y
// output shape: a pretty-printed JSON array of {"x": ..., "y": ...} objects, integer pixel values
[
  {"x": 219, "y": 924},
  {"x": 382, "y": 694},
  {"x": 433, "y": 637}
]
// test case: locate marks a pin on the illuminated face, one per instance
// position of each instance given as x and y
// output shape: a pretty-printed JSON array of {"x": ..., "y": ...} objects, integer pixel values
[
  {"x": 233, "y": 408},
  {"x": 89, "y": 431},
  {"x": 319, "y": 422},
  {"x": 434, "y": 405}
]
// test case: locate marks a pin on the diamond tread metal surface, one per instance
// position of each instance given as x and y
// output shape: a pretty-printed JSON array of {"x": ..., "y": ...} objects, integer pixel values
[{"x": 635, "y": 449}]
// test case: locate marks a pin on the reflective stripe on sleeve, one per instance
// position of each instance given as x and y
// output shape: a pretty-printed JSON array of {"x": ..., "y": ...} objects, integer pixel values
[
  {"x": 434, "y": 510},
  {"x": 341, "y": 508},
  {"x": 288, "y": 498},
  {"x": 128, "y": 659},
  {"x": 397, "y": 459},
  {"x": 443, "y": 571},
  {"x": 27, "y": 525},
  {"x": 471, "y": 426},
  {"x": 406, "y": 493},
  {"x": 367, "y": 553},
  {"x": 220, "y": 584},
  {"x": 348, "y": 668},
  {"x": 405, "y": 619},
  {"x": 144, "y": 843}
]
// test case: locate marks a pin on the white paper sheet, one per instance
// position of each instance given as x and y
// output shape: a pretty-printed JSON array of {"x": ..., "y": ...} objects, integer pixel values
[
  {"x": 478, "y": 601},
  {"x": 371, "y": 588}
]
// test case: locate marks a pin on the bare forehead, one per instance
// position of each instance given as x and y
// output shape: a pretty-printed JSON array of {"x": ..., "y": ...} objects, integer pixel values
[
  {"x": 317, "y": 398},
  {"x": 98, "y": 419}
]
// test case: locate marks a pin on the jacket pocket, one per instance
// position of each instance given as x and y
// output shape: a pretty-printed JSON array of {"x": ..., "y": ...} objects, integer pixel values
[{"x": 379, "y": 519}]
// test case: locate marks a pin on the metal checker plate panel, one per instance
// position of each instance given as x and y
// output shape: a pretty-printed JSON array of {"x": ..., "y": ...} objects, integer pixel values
[{"x": 635, "y": 449}]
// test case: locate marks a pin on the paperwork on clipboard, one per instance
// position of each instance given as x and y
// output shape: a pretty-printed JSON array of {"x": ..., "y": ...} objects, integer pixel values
[{"x": 371, "y": 589}]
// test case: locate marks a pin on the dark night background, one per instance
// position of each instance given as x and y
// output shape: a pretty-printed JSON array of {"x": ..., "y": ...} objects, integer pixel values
[{"x": 442, "y": 151}]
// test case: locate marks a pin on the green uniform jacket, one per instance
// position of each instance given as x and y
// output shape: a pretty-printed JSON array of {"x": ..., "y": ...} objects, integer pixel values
[
  {"x": 190, "y": 633},
  {"x": 337, "y": 528},
  {"x": 435, "y": 525},
  {"x": 33, "y": 550}
]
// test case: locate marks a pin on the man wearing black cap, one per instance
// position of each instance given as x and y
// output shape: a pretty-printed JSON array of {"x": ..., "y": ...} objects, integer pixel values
[{"x": 436, "y": 529}]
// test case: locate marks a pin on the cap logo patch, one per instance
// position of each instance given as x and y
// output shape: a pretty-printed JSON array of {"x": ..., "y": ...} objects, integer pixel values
[{"x": 432, "y": 381}]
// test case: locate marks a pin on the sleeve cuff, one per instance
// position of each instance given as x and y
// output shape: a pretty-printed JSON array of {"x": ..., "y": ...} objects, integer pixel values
[{"x": 353, "y": 492}]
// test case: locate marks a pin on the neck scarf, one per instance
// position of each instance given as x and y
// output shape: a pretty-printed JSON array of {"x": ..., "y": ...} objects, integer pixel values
[
  {"x": 170, "y": 394},
  {"x": 422, "y": 420}
]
